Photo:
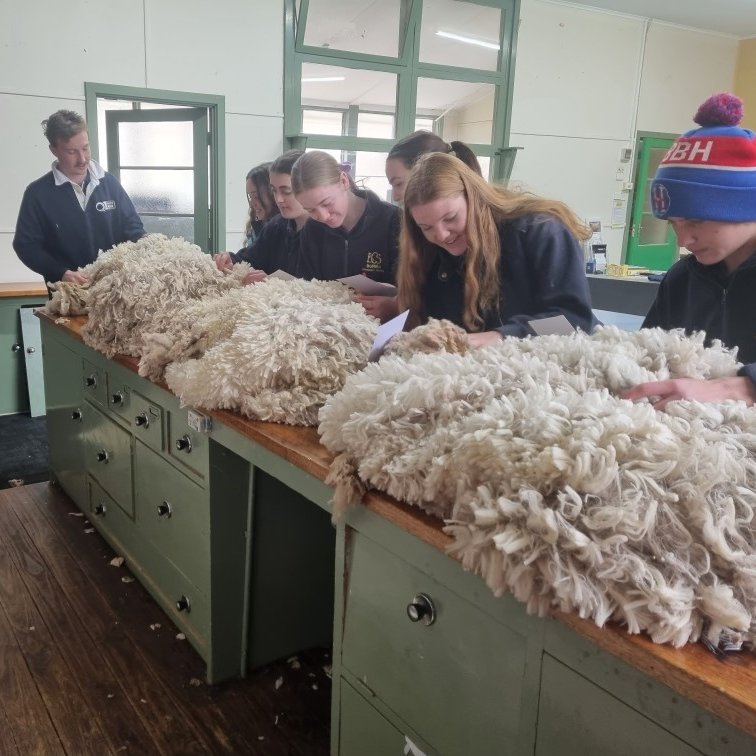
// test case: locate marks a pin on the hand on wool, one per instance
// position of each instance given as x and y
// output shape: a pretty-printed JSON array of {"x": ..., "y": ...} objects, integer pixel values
[
  {"x": 383, "y": 308},
  {"x": 486, "y": 338},
  {"x": 73, "y": 276},
  {"x": 694, "y": 389},
  {"x": 254, "y": 276},
  {"x": 223, "y": 261}
]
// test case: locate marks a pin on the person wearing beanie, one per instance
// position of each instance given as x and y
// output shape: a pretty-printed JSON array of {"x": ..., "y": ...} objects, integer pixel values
[{"x": 706, "y": 188}]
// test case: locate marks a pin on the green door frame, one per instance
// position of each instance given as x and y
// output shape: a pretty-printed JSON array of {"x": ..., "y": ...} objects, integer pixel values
[
  {"x": 216, "y": 111},
  {"x": 198, "y": 117},
  {"x": 654, "y": 256},
  {"x": 408, "y": 69}
]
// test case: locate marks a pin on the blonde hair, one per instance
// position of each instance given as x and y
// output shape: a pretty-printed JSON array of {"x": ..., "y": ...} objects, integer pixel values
[
  {"x": 437, "y": 176},
  {"x": 315, "y": 169}
]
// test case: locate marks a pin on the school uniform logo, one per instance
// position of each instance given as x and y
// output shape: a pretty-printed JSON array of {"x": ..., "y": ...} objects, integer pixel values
[
  {"x": 105, "y": 205},
  {"x": 660, "y": 199},
  {"x": 374, "y": 262}
]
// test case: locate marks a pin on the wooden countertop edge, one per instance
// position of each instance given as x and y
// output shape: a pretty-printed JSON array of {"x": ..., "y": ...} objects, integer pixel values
[
  {"x": 23, "y": 289},
  {"x": 692, "y": 671}
]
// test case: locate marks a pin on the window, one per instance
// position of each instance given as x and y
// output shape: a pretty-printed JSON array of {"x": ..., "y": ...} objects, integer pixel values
[{"x": 362, "y": 73}]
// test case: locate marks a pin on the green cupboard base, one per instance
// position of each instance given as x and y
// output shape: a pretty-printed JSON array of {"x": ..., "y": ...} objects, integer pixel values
[{"x": 243, "y": 534}]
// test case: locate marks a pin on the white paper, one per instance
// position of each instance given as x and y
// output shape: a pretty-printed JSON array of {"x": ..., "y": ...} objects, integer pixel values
[
  {"x": 282, "y": 274},
  {"x": 385, "y": 332},
  {"x": 557, "y": 325},
  {"x": 366, "y": 285}
]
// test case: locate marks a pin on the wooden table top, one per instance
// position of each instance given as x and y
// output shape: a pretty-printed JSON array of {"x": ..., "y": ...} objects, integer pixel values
[
  {"x": 727, "y": 688},
  {"x": 25, "y": 289}
]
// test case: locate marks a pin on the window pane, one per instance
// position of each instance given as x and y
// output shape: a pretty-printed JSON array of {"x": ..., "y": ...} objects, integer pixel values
[
  {"x": 337, "y": 155},
  {"x": 169, "y": 225},
  {"x": 339, "y": 88},
  {"x": 322, "y": 122},
  {"x": 370, "y": 173},
  {"x": 160, "y": 191},
  {"x": 424, "y": 124},
  {"x": 460, "y": 34},
  {"x": 467, "y": 108},
  {"x": 375, "y": 125},
  {"x": 363, "y": 26},
  {"x": 166, "y": 143},
  {"x": 485, "y": 166}
]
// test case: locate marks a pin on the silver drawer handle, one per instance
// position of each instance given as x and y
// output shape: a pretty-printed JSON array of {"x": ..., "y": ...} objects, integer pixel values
[
  {"x": 91, "y": 381},
  {"x": 421, "y": 609},
  {"x": 103, "y": 456},
  {"x": 142, "y": 420},
  {"x": 164, "y": 509},
  {"x": 184, "y": 444},
  {"x": 183, "y": 604}
]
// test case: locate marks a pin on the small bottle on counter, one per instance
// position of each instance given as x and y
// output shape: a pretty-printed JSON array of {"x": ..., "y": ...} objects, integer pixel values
[
  {"x": 599, "y": 258},
  {"x": 590, "y": 260}
]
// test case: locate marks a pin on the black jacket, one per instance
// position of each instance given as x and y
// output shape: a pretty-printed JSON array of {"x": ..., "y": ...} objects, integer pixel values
[
  {"x": 542, "y": 274},
  {"x": 275, "y": 248},
  {"x": 707, "y": 298},
  {"x": 371, "y": 247}
]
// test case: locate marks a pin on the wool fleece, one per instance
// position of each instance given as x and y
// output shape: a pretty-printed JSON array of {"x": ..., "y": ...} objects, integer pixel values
[{"x": 556, "y": 490}]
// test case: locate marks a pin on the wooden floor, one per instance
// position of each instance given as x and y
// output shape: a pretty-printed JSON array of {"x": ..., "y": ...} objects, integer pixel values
[{"x": 89, "y": 664}]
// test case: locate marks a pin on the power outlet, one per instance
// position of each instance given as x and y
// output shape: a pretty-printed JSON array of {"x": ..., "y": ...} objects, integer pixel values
[{"x": 621, "y": 172}]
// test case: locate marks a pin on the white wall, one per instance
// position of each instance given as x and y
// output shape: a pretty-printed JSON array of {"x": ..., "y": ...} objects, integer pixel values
[
  {"x": 586, "y": 81},
  {"x": 48, "y": 49}
]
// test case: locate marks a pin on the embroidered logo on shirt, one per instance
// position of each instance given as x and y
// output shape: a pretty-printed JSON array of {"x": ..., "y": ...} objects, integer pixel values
[
  {"x": 105, "y": 205},
  {"x": 374, "y": 262}
]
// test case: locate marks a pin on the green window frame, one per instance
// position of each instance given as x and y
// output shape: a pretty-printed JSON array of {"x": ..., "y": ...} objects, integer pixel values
[
  {"x": 408, "y": 68},
  {"x": 214, "y": 230}
]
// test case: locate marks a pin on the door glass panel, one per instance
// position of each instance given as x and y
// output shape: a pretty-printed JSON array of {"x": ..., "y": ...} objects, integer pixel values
[
  {"x": 465, "y": 34},
  {"x": 340, "y": 88},
  {"x": 376, "y": 125},
  {"x": 168, "y": 143},
  {"x": 467, "y": 108},
  {"x": 655, "y": 156},
  {"x": 363, "y": 26},
  {"x": 323, "y": 122},
  {"x": 159, "y": 191},
  {"x": 653, "y": 230},
  {"x": 170, "y": 225}
]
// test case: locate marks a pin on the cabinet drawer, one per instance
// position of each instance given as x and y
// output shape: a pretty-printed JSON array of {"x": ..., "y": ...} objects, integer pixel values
[
  {"x": 169, "y": 587},
  {"x": 457, "y": 681},
  {"x": 576, "y": 717},
  {"x": 94, "y": 382},
  {"x": 188, "y": 447},
  {"x": 107, "y": 455},
  {"x": 109, "y": 518},
  {"x": 173, "y": 514},
  {"x": 147, "y": 420},
  {"x": 364, "y": 731}
]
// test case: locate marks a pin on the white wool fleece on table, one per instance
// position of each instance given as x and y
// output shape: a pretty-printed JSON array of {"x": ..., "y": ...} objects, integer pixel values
[
  {"x": 292, "y": 348},
  {"x": 556, "y": 490}
]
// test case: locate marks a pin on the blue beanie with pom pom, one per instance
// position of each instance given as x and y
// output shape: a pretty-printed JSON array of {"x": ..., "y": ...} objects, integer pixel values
[{"x": 709, "y": 173}]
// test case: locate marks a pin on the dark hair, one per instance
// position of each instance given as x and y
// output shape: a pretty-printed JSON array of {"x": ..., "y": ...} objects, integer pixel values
[
  {"x": 408, "y": 149},
  {"x": 284, "y": 163},
  {"x": 260, "y": 178},
  {"x": 62, "y": 125}
]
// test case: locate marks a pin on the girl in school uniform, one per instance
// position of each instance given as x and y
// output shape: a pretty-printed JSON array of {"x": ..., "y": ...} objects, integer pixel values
[{"x": 486, "y": 258}]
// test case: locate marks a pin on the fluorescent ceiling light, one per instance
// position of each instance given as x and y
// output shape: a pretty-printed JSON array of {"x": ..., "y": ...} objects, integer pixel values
[
  {"x": 469, "y": 40},
  {"x": 323, "y": 78}
]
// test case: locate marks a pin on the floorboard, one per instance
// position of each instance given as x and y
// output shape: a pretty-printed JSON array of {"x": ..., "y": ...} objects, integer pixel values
[{"x": 104, "y": 672}]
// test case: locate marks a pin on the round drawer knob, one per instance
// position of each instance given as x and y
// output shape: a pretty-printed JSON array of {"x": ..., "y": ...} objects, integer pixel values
[
  {"x": 142, "y": 420},
  {"x": 117, "y": 398},
  {"x": 182, "y": 604},
  {"x": 421, "y": 609},
  {"x": 30, "y": 350},
  {"x": 16, "y": 348},
  {"x": 76, "y": 414},
  {"x": 103, "y": 456},
  {"x": 100, "y": 509},
  {"x": 184, "y": 444},
  {"x": 164, "y": 509},
  {"x": 91, "y": 381}
]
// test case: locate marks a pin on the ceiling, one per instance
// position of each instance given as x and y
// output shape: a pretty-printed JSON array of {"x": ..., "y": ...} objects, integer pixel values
[{"x": 736, "y": 17}]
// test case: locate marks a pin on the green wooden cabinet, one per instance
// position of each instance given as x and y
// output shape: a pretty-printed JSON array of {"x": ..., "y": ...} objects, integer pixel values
[{"x": 13, "y": 375}]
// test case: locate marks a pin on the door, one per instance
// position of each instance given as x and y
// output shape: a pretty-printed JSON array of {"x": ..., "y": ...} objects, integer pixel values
[
  {"x": 652, "y": 242},
  {"x": 160, "y": 156}
]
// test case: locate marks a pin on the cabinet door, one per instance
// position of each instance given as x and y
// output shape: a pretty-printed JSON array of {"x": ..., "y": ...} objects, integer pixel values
[
  {"x": 65, "y": 411},
  {"x": 456, "y": 680}
]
